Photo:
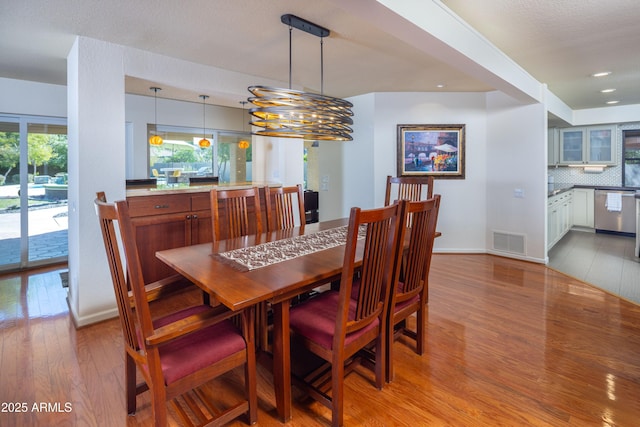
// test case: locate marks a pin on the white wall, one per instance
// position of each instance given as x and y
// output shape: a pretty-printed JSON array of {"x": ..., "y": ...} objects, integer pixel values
[
  {"x": 505, "y": 148},
  {"x": 462, "y": 211},
  {"x": 516, "y": 159},
  {"x": 32, "y": 98}
]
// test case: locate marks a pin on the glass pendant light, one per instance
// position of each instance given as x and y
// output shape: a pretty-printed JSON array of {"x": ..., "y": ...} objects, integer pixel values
[
  {"x": 243, "y": 143},
  {"x": 155, "y": 139},
  {"x": 204, "y": 142}
]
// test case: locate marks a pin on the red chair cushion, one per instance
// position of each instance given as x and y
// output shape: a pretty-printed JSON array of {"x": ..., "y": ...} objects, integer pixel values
[
  {"x": 400, "y": 305},
  {"x": 316, "y": 319},
  {"x": 197, "y": 350}
]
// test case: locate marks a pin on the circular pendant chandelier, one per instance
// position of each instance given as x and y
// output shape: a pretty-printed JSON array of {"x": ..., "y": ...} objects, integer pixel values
[{"x": 291, "y": 113}]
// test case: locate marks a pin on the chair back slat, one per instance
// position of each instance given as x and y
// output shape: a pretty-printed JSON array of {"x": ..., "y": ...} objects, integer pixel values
[
  {"x": 411, "y": 188},
  {"x": 134, "y": 271},
  {"x": 423, "y": 218},
  {"x": 379, "y": 254},
  {"x": 107, "y": 215},
  {"x": 282, "y": 210},
  {"x": 235, "y": 212}
]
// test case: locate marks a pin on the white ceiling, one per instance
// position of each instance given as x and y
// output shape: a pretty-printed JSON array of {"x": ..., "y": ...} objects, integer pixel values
[{"x": 560, "y": 43}]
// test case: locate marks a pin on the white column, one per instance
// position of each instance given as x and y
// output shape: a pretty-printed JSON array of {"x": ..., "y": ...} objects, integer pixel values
[
  {"x": 278, "y": 160},
  {"x": 96, "y": 135}
]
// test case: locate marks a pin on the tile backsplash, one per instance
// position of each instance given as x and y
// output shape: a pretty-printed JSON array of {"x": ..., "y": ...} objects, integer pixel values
[{"x": 611, "y": 176}]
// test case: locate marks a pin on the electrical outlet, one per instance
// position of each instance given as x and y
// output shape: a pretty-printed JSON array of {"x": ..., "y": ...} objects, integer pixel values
[{"x": 518, "y": 193}]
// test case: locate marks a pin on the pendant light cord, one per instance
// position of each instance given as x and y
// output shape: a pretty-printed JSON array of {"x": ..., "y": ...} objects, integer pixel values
[{"x": 155, "y": 108}]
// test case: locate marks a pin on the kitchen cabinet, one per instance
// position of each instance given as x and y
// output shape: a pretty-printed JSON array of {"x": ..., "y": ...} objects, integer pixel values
[
  {"x": 559, "y": 217},
  {"x": 166, "y": 222},
  {"x": 583, "y": 207},
  {"x": 587, "y": 145},
  {"x": 553, "y": 143}
]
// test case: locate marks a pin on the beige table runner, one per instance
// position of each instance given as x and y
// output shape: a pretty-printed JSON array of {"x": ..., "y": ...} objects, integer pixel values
[{"x": 269, "y": 253}]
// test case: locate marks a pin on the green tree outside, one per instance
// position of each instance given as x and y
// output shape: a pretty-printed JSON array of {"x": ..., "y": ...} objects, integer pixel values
[
  {"x": 40, "y": 150},
  {"x": 9, "y": 153}
]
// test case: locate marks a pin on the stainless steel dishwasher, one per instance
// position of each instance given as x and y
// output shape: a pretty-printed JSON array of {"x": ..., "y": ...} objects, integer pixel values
[{"x": 613, "y": 217}]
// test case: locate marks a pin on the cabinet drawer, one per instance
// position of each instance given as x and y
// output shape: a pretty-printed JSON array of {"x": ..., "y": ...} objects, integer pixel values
[
  {"x": 159, "y": 205},
  {"x": 201, "y": 202}
]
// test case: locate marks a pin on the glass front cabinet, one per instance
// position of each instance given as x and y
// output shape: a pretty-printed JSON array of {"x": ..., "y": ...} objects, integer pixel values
[{"x": 588, "y": 145}]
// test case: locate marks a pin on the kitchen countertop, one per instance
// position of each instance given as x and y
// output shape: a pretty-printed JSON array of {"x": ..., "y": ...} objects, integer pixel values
[
  {"x": 561, "y": 188},
  {"x": 180, "y": 188}
]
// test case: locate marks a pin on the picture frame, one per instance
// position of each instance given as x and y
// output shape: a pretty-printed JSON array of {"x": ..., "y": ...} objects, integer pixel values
[{"x": 436, "y": 150}]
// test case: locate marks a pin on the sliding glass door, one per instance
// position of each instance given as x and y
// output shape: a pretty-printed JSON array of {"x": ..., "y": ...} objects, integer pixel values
[
  {"x": 10, "y": 218},
  {"x": 33, "y": 191}
]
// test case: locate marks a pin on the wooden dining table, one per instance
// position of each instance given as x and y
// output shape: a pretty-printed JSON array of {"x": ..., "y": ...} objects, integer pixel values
[{"x": 277, "y": 283}]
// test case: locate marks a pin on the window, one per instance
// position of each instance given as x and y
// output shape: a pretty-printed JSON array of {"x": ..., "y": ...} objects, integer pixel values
[
  {"x": 631, "y": 169},
  {"x": 180, "y": 157}
]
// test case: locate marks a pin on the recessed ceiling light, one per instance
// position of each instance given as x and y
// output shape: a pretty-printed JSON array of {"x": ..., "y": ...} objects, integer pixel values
[
  {"x": 612, "y": 102},
  {"x": 607, "y": 90},
  {"x": 602, "y": 74},
  {"x": 440, "y": 86}
]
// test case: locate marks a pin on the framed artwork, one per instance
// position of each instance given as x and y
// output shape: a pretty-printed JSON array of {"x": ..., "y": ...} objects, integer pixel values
[{"x": 436, "y": 150}]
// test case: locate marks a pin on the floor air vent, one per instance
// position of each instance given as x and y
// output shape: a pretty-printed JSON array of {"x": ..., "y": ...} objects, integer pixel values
[{"x": 509, "y": 242}]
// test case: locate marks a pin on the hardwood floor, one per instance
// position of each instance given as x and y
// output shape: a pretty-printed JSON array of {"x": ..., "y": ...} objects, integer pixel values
[{"x": 509, "y": 343}]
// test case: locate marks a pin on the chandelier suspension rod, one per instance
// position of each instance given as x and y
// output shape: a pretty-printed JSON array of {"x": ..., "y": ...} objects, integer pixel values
[
  {"x": 321, "y": 66},
  {"x": 290, "y": 31}
]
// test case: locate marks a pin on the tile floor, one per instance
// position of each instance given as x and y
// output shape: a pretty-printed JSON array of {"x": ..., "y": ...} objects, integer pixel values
[{"x": 604, "y": 260}]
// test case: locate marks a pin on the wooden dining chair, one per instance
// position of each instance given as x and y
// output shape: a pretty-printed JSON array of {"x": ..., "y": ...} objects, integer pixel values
[
  {"x": 411, "y": 188},
  {"x": 412, "y": 290},
  {"x": 231, "y": 213},
  {"x": 285, "y": 207},
  {"x": 179, "y": 352},
  {"x": 160, "y": 288},
  {"x": 333, "y": 325}
]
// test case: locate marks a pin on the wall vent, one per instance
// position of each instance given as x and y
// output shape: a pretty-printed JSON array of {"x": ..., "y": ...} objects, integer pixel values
[{"x": 509, "y": 242}]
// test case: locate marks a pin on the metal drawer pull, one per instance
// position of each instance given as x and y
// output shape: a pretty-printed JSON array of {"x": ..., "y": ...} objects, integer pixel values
[{"x": 161, "y": 206}]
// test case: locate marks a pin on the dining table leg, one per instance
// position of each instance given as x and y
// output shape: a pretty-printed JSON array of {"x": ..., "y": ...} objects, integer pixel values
[{"x": 282, "y": 360}]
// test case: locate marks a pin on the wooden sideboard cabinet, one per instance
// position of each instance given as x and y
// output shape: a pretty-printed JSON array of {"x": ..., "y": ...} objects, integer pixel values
[
  {"x": 173, "y": 220},
  {"x": 168, "y": 221}
]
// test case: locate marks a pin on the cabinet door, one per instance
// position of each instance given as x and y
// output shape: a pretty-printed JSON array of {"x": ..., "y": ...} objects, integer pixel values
[
  {"x": 201, "y": 230},
  {"x": 553, "y": 154},
  {"x": 567, "y": 213},
  {"x": 601, "y": 145},
  {"x": 583, "y": 207},
  {"x": 200, "y": 217},
  {"x": 552, "y": 222},
  {"x": 572, "y": 144},
  {"x": 156, "y": 233}
]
